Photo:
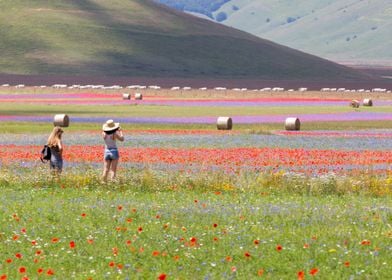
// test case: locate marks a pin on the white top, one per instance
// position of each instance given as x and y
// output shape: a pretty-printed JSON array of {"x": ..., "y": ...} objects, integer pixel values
[{"x": 110, "y": 142}]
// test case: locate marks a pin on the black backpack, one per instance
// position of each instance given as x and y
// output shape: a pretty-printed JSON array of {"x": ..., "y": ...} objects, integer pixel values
[{"x": 45, "y": 153}]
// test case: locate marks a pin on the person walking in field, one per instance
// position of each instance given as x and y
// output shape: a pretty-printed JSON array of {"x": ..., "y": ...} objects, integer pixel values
[
  {"x": 56, "y": 148},
  {"x": 111, "y": 133}
]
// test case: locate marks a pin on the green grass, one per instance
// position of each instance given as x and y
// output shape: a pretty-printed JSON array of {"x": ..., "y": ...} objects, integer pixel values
[
  {"x": 172, "y": 111},
  {"x": 139, "y": 38},
  {"x": 145, "y": 213}
]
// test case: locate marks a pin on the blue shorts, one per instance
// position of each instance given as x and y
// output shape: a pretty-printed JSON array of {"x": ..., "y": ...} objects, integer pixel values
[
  {"x": 56, "y": 162},
  {"x": 111, "y": 154}
]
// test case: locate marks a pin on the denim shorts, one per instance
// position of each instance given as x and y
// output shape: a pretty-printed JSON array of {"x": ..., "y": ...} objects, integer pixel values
[
  {"x": 111, "y": 154},
  {"x": 56, "y": 162}
]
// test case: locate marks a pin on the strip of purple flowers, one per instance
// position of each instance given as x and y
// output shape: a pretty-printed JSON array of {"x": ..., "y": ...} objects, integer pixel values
[{"x": 350, "y": 116}]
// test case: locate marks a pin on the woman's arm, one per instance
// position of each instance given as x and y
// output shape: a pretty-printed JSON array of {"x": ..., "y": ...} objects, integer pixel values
[
  {"x": 60, "y": 145},
  {"x": 119, "y": 135}
]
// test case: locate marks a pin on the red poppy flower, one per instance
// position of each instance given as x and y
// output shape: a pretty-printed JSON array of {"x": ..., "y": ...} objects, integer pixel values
[
  {"x": 162, "y": 276},
  {"x": 112, "y": 264},
  {"x": 347, "y": 264},
  {"x": 83, "y": 215},
  {"x": 3, "y": 277},
  {"x": 119, "y": 207},
  {"x": 40, "y": 270},
  {"x": 8, "y": 260},
  {"x": 55, "y": 240},
  {"x": 139, "y": 229},
  {"x": 155, "y": 253},
  {"x": 216, "y": 239},
  {"x": 22, "y": 269},
  {"x": 365, "y": 242},
  {"x": 301, "y": 275},
  {"x": 15, "y": 237},
  {"x": 215, "y": 225},
  {"x": 228, "y": 259},
  {"x": 279, "y": 248},
  {"x": 256, "y": 242},
  {"x": 247, "y": 255},
  {"x": 72, "y": 244},
  {"x": 313, "y": 271},
  {"x": 260, "y": 272},
  {"x": 50, "y": 272},
  {"x": 18, "y": 255},
  {"x": 129, "y": 220},
  {"x": 38, "y": 252}
]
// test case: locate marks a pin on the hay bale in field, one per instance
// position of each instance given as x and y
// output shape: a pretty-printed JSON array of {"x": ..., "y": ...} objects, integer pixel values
[
  {"x": 138, "y": 96},
  {"x": 224, "y": 123},
  {"x": 354, "y": 103},
  {"x": 367, "y": 102},
  {"x": 61, "y": 120},
  {"x": 126, "y": 96},
  {"x": 292, "y": 124}
]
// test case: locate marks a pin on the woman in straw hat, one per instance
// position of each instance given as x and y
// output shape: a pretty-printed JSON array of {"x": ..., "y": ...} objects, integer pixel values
[
  {"x": 111, "y": 133},
  {"x": 56, "y": 148}
]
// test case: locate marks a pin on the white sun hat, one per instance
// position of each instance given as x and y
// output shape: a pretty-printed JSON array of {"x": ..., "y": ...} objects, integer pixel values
[{"x": 110, "y": 125}]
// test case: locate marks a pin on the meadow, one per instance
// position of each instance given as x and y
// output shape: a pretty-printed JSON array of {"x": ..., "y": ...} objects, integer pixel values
[{"x": 191, "y": 201}]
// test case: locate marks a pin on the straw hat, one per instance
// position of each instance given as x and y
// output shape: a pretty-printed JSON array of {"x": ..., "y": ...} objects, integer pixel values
[{"x": 110, "y": 125}]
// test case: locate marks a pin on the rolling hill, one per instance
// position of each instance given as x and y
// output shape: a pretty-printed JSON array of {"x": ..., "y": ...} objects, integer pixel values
[
  {"x": 347, "y": 31},
  {"x": 141, "y": 38}
]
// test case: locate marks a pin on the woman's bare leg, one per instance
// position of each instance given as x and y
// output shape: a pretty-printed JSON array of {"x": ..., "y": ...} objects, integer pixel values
[
  {"x": 106, "y": 168},
  {"x": 113, "y": 169}
]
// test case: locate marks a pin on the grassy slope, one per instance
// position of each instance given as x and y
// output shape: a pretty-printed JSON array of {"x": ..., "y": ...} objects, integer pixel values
[
  {"x": 140, "y": 38},
  {"x": 351, "y": 30}
]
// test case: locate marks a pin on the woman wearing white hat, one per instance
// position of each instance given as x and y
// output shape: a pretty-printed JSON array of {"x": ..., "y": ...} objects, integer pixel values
[{"x": 111, "y": 133}]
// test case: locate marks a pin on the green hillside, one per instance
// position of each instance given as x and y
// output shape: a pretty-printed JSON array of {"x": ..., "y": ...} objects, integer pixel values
[
  {"x": 351, "y": 31},
  {"x": 140, "y": 38}
]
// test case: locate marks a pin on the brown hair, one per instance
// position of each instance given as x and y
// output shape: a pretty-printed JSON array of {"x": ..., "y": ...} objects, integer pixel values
[{"x": 55, "y": 136}]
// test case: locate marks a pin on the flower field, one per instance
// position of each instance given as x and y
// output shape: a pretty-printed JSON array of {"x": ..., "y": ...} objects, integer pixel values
[{"x": 194, "y": 202}]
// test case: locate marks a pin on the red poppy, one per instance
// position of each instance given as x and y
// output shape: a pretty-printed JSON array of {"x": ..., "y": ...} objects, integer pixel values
[
  {"x": 215, "y": 225},
  {"x": 129, "y": 220},
  {"x": 72, "y": 245},
  {"x": 162, "y": 276},
  {"x": 40, "y": 270},
  {"x": 50, "y": 272},
  {"x": 347, "y": 264},
  {"x": 15, "y": 237},
  {"x": 83, "y": 215},
  {"x": 228, "y": 259},
  {"x": 3, "y": 277},
  {"x": 119, "y": 207},
  {"x": 260, "y": 272},
  {"x": 365, "y": 242},
  {"x": 112, "y": 264},
  {"x": 216, "y": 239},
  {"x": 279, "y": 248},
  {"x": 139, "y": 229},
  {"x": 256, "y": 242},
  {"x": 38, "y": 252},
  {"x": 22, "y": 269},
  {"x": 313, "y": 271},
  {"x": 18, "y": 255},
  {"x": 55, "y": 240},
  {"x": 301, "y": 275},
  {"x": 247, "y": 255},
  {"x": 8, "y": 260},
  {"x": 155, "y": 253}
]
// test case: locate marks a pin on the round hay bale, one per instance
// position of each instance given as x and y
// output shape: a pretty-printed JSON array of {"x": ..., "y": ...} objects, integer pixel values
[
  {"x": 292, "y": 124},
  {"x": 354, "y": 103},
  {"x": 126, "y": 96},
  {"x": 367, "y": 102},
  {"x": 224, "y": 123},
  {"x": 61, "y": 120},
  {"x": 138, "y": 96}
]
